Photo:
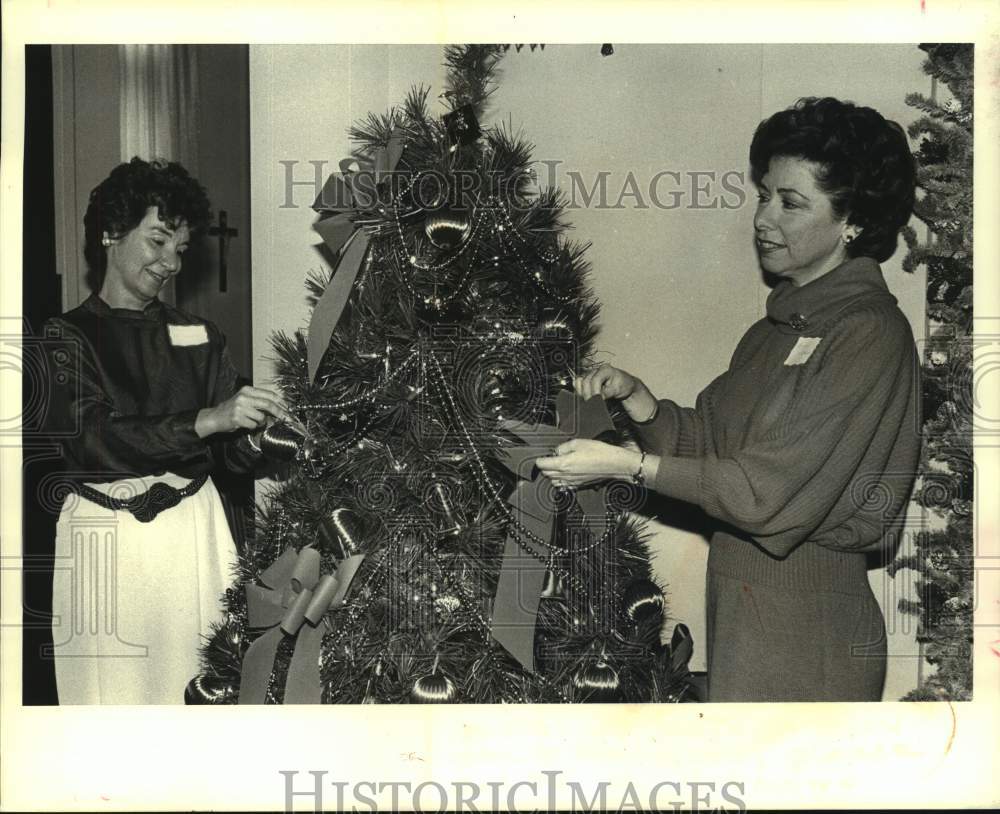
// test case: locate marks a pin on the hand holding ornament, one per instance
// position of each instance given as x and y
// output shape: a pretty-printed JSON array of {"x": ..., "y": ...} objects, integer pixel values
[
  {"x": 248, "y": 409},
  {"x": 614, "y": 383}
]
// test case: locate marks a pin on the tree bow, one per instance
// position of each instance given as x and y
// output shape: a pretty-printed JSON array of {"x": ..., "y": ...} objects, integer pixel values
[
  {"x": 519, "y": 589},
  {"x": 292, "y": 602},
  {"x": 345, "y": 195}
]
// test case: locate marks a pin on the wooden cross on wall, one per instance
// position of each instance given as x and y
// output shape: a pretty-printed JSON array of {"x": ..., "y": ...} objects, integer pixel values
[{"x": 224, "y": 233}]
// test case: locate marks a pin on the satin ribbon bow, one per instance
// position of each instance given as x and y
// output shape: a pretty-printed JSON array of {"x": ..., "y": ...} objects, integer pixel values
[
  {"x": 292, "y": 602},
  {"x": 519, "y": 590},
  {"x": 345, "y": 195}
]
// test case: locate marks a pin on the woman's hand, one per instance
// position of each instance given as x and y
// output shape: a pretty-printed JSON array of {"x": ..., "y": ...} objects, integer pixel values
[
  {"x": 613, "y": 383},
  {"x": 248, "y": 409},
  {"x": 582, "y": 461}
]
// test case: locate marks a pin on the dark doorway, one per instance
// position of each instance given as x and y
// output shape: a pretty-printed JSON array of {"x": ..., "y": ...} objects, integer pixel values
[
  {"x": 42, "y": 298},
  {"x": 220, "y": 286}
]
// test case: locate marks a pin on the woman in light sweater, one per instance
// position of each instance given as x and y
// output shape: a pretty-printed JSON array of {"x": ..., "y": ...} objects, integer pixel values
[{"x": 805, "y": 449}]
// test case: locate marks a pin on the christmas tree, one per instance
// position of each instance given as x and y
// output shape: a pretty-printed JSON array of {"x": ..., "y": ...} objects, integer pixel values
[
  {"x": 943, "y": 558},
  {"x": 412, "y": 552}
]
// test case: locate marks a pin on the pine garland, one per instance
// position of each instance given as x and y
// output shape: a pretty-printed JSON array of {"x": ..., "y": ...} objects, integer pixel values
[{"x": 943, "y": 558}]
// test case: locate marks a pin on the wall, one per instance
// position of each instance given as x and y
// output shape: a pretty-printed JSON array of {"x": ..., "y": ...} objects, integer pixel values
[
  {"x": 292, "y": 120},
  {"x": 678, "y": 282}
]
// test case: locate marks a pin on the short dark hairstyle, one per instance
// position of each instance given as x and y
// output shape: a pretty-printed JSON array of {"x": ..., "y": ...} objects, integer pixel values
[
  {"x": 119, "y": 203},
  {"x": 866, "y": 167}
]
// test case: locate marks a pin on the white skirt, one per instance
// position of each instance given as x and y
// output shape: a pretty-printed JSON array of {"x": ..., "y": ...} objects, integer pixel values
[{"x": 131, "y": 601}]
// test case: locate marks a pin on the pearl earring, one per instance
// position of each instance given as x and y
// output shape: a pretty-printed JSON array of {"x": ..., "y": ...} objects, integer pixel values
[{"x": 106, "y": 241}]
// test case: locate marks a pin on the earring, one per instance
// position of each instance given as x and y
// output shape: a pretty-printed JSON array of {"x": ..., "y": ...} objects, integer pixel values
[
  {"x": 849, "y": 239},
  {"x": 106, "y": 241}
]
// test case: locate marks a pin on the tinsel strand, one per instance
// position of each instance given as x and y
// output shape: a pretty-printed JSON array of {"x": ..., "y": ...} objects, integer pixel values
[
  {"x": 374, "y": 581},
  {"x": 542, "y": 253},
  {"x": 314, "y": 473},
  {"x": 506, "y": 232},
  {"x": 440, "y": 387},
  {"x": 484, "y": 626},
  {"x": 412, "y": 258},
  {"x": 490, "y": 491},
  {"x": 494, "y": 205},
  {"x": 368, "y": 395},
  {"x": 536, "y": 277}
]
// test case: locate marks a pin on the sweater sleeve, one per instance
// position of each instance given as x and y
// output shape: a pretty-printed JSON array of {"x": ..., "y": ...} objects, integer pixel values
[
  {"x": 675, "y": 430},
  {"x": 682, "y": 431},
  {"x": 780, "y": 487},
  {"x": 231, "y": 450},
  {"x": 99, "y": 441}
]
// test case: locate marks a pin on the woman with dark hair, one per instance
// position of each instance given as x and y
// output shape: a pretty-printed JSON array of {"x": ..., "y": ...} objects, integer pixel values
[
  {"x": 145, "y": 401},
  {"x": 805, "y": 449}
]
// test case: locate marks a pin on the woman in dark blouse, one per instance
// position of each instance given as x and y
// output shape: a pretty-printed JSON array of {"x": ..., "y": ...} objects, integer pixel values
[{"x": 145, "y": 401}]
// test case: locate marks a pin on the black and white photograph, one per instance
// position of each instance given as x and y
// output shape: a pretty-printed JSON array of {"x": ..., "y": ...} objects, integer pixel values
[{"x": 437, "y": 424}]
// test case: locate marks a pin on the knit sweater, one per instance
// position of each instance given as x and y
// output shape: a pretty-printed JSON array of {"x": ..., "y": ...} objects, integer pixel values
[{"x": 813, "y": 432}]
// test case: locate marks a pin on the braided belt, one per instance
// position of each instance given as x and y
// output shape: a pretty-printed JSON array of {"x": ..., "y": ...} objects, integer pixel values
[{"x": 159, "y": 497}]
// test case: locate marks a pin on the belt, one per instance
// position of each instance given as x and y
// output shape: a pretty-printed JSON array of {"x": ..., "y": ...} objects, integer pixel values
[{"x": 144, "y": 507}]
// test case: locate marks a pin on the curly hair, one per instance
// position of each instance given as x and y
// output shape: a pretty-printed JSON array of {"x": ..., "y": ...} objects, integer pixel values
[
  {"x": 865, "y": 165},
  {"x": 119, "y": 203}
]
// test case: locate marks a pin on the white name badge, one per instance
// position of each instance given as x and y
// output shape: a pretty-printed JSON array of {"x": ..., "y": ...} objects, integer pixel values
[
  {"x": 803, "y": 349},
  {"x": 181, "y": 335}
]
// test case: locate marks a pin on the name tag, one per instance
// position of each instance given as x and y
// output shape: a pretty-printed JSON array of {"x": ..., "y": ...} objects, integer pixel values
[
  {"x": 181, "y": 335},
  {"x": 803, "y": 349}
]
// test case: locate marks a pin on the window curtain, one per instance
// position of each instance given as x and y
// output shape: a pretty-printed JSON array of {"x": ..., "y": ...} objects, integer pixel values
[{"x": 159, "y": 93}]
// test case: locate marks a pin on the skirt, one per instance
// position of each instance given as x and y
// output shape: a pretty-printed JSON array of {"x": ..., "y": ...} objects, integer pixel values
[
  {"x": 131, "y": 601},
  {"x": 805, "y": 628}
]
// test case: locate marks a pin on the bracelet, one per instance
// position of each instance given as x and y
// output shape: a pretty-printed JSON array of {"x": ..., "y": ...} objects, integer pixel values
[
  {"x": 639, "y": 478},
  {"x": 652, "y": 415}
]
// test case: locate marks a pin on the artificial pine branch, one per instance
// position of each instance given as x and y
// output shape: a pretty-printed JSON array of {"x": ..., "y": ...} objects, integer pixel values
[{"x": 472, "y": 75}]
